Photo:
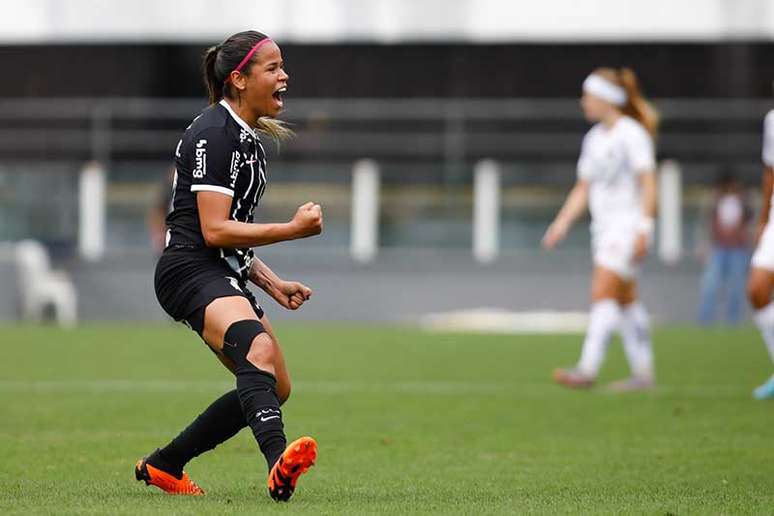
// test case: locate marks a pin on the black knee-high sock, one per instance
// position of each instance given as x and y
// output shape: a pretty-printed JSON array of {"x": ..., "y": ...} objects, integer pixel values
[
  {"x": 257, "y": 390},
  {"x": 260, "y": 406},
  {"x": 219, "y": 422}
]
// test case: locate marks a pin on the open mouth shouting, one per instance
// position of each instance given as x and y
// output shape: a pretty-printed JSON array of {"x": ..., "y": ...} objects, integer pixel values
[{"x": 277, "y": 95}]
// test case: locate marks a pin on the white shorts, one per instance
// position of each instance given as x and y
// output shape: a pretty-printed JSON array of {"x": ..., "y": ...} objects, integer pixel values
[
  {"x": 614, "y": 250},
  {"x": 763, "y": 258}
]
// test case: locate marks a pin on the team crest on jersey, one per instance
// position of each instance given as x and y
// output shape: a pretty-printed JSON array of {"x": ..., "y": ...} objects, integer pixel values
[{"x": 200, "y": 170}]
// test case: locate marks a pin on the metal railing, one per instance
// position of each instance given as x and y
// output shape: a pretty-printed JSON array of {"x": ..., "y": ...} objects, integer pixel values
[
  {"x": 448, "y": 135},
  {"x": 430, "y": 144}
]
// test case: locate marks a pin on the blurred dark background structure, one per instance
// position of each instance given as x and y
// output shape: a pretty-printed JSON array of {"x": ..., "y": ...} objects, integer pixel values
[{"x": 426, "y": 99}]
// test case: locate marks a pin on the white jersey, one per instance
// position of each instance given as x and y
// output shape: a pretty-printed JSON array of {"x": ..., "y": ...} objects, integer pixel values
[
  {"x": 768, "y": 146},
  {"x": 611, "y": 160},
  {"x": 764, "y": 254},
  {"x": 768, "y": 139}
]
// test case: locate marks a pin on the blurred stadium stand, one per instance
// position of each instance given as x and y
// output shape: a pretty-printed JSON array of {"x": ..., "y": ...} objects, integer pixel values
[{"x": 428, "y": 146}]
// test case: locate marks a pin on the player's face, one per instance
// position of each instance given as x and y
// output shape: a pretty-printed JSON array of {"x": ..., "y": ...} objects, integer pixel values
[
  {"x": 594, "y": 108},
  {"x": 267, "y": 81}
]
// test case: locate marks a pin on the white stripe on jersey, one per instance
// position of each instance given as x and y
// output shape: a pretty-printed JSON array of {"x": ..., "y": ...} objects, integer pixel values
[{"x": 212, "y": 188}]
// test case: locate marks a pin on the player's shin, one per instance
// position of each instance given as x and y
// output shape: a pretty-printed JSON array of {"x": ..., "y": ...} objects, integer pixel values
[
  {"x": 257, "y": 390},
  {"x": 604, "y": 319},
  {"x": 764, "y": 319},
  {"x": 219, "y": 422},
  {"x": 635, "y": 333}
]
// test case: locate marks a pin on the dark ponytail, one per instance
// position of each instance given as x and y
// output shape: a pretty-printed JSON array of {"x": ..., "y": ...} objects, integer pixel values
[
  {"x": 214, "y": 87},
  {"x": 218, "y": 63}
]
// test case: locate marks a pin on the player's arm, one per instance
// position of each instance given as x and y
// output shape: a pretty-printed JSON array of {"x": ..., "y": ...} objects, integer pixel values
[
  {"x": 212, "y": 161},
  {"x": 574, "y": 206},
  {"x": 290, "y": 294},
  {"x": 220, "y": 231},
  {"x": 647, "y": 224},
  {"x": 767, "y": 181},
  {"x": 767, "y": 187}
]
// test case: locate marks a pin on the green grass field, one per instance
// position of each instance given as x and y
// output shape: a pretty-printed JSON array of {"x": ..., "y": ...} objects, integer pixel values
[{"x": 407, "y": 422}]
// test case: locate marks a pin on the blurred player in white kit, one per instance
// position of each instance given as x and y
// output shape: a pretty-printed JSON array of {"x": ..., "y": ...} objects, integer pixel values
[
  {"x": 761, "y": 279},
  {"x": 617, "y": 180}
]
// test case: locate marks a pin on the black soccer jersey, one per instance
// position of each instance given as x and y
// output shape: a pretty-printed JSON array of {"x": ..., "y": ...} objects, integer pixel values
[{"x": 219, "y": 152}]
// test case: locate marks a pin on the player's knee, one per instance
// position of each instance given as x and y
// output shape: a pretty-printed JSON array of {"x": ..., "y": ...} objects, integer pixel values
[
  {"x": 625, "y": 298},
  {"x": 757, "y": 293},
  {"x": 602, "y": 293},
  {"x": 283, "y": 391},
  {"x": 239, "y": 342},
  {"x": 263, "y": 351}
]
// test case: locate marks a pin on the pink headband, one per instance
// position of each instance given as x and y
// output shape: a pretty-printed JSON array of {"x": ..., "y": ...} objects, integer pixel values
[{"x": 248, "y": 56}]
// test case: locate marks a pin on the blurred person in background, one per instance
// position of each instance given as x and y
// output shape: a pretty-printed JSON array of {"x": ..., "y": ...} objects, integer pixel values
[
  {"x": 201, "y": 277},
  {"x": 761, "y": 280},
  {"x": 617, "y": 180},
  {"x": 727, "y": 260}
]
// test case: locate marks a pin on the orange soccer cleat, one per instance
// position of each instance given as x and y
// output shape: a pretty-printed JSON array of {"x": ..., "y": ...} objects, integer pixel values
[
  {"x": 167, "y": 482},
  {"x": 297, "y": 458}
]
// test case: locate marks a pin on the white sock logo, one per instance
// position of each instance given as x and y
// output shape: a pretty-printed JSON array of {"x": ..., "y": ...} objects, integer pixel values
[{"x": 267, "y": 414}]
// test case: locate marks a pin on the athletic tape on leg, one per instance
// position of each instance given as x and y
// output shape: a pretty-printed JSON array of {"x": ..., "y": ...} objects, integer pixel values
[{"x": 257, "y": 389}]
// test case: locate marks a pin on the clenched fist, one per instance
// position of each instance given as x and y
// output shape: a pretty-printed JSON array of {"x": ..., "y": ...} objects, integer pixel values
[
  {"x": 308, "y": 220},
  {"x": 292, "y": 294}
]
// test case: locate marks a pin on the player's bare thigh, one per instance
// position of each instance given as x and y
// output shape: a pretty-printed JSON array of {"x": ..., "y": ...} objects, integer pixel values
[
  {"x": 607, "y": 284},
  {"x": 629, "y": 294},
  {"x": 759, "y": 287},
  {"x": 265, "y": 352}
]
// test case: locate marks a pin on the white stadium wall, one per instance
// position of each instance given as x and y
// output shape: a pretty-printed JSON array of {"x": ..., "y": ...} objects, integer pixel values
[{"x": 387, "y": 20}]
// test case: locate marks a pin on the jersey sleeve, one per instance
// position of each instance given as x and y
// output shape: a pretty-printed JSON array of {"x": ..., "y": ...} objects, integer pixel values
[
  {"x": 641, "y": 151},
  {"x": 584, "y": 168},
  {"x": 214, "y": 155},
  {"x": 768, "y": 140}
]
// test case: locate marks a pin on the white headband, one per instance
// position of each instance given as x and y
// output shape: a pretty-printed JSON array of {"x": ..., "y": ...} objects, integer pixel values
[{"x": 604, "y": 89}]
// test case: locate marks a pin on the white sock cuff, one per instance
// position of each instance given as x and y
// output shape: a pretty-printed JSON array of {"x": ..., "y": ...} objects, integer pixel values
[
  {"x": 608, "y": 306},
  {"x": 638, "y": 312},
  {"x": 765, "y": 316},
  {"x": 633, "y": 307}
]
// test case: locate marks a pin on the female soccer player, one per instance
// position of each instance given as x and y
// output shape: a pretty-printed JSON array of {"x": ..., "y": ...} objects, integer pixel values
[
  {"x": 201, "y": 276},
  {"x": 616, "y": 177},
  {"x": 761, "y": 281}
]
